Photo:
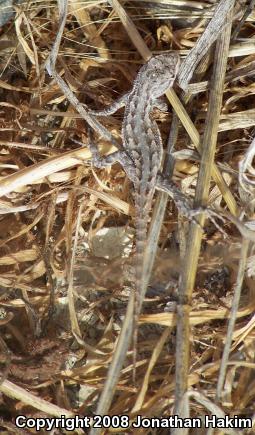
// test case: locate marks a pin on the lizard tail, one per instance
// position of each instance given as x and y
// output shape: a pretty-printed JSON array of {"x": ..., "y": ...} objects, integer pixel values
[{"x": 142, "y": 218}]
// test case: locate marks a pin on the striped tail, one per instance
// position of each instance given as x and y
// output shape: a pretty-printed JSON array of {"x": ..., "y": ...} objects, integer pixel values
[{"x": 142, "y": 218}]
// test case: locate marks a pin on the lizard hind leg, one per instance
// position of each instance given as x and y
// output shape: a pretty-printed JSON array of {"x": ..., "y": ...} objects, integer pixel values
[
  {"x": 184, "y": 204},
  {"x": 101, "y": 161}
]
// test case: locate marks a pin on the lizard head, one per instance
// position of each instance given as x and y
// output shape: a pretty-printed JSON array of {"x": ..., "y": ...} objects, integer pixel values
[{"x": 160, "y": 72}]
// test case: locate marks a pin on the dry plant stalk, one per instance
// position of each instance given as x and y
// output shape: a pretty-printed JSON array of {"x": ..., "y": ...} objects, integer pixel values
[{"x": 187, "y": 278}]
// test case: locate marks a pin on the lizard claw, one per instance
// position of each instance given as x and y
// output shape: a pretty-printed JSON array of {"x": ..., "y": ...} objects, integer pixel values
[{"x": 160, "y": 104}]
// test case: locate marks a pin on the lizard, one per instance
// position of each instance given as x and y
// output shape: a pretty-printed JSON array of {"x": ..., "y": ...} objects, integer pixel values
[{"x": 141, "y": 155}]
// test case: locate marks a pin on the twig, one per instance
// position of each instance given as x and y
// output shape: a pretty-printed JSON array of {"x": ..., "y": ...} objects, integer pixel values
[
  {"x": 202, "y": 191},
  {"x": 247, "y": 12},
  {"x": 51, "y": 68},
  {"x": 208, "y": 405},
  {"x": 211, "y": 33},
  {"x": 232, "y": 318}
]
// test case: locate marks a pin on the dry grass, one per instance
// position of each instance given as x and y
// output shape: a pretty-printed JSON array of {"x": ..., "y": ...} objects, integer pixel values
[{"x": 66, "y": 250}]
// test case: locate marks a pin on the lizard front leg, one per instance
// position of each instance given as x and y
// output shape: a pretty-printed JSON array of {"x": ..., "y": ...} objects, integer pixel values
[{"x": 121, "y": 102}]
